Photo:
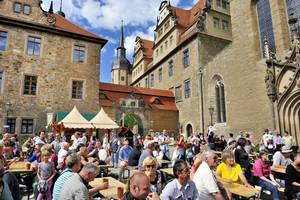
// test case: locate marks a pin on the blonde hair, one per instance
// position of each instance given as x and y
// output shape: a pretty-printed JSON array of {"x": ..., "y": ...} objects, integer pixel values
[
  {"x": 226, "y": 155},
  {"x": 44, "y": 152},
  {"x": 149, "y": 161}
]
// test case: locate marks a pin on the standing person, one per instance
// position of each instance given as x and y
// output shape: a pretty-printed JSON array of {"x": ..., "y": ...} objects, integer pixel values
[
  {"x": 115, "y": 148},
  {"x": 288, "y": 140},
  {"x": 180, "y": 146},
  {"x": 147, "y": 152},
  {"x": 230, "y": 139},
  {"x": 45, "y": 173},
  {"x": 204, "y": 177},
  {"x": 181, "y": 188},
  {"x": 134, "y": 156},
  {"x": 242, "y": 158},
  {"x": 278, "y": 142},
  {"x": 292, "y": 179},
  {"x": 62, "y": 154},
  {"x": 265, "y": 138},
  {"x": 56, "y": 143},
  {"x": 164, "y": 141},
  {"x": 105, "y": 141},
  {"x": 123, "y": 156},
  {"x": 262, "y": 175}
]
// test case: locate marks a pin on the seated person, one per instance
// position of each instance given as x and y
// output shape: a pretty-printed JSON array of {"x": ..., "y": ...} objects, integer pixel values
[
  {"x": 99, "y": 154},
  {"x": 263, "y": 176},
  {"x": 282, "y": 158},
  {"x": 229, "y": 171},
  {"x": 157, "y": 178},
  {"x": 181, "y": 188},
  {"x": 139, "y": 188},
  {"x": 292, "y": 179}
]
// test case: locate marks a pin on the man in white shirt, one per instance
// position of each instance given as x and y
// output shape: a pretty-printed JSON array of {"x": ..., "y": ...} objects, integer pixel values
[
  {"x": 164, "y": 140},
  {"x": 62, "y": 154},
  {"x": 204, "y": 178},
  {"x": 282, "y": 158}
]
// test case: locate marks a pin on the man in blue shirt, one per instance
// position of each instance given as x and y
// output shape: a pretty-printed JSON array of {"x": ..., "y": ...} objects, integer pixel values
[
  {"x": 181, "y": 188},
  {"x": 123, "y": 156}
]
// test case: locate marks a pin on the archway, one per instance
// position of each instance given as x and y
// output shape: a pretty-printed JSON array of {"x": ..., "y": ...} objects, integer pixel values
[
  {"x": 189, "y": 130},
  {"x": 133, "y": 122}
]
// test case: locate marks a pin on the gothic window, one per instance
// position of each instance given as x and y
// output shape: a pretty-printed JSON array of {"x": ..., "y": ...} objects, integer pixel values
[
  {"x": 171, "y": 40},
  {"x": 171, "y": 68},
  {"x": 34, "y": 46},
  {"x": 132, "y": 104},
  {"x": 27, "y": 9},
  {"x": 77, "y": 89},
  {"x": 3, "y": 40},
  {"x": 293, "y": 10},
  {"x": 79, "y": 54},
  {"x": 122, "y": 78},
  {"x": 187, "y": 89},
  {"x": 30, "y": 85},
  {"x": 17, "y": 7},
  {"x": 186, "y": 58},
  {"x": 224, "y": 4},
  {"x": 220, "y": 102},
  {"x": 11, "y": 123},
  {"x": 160, "y": 74},
  {"x": 218, "y": 2},
  {"x": 178, "y": 93},
  {"x": 27, "y": 126},
  {"x": 265, "y": 24}
]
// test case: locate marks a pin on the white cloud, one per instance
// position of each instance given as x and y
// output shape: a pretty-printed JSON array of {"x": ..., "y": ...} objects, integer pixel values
[
  {"x": 130, "y": 40},
  {"x": 107, "y": 14}
]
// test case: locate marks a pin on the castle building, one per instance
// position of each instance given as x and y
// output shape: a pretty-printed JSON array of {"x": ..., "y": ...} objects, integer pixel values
[
  {"x": 213, "y": 58},
  {"x": 47, "y": 65}
]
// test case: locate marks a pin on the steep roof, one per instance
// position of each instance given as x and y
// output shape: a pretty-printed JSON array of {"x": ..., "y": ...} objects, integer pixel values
[
  {"x": 66, "y": 25},
  {"x": 116, "y": 92},
  {"x": 147, "y": 46},
  {"x": 186, "y": 18}
]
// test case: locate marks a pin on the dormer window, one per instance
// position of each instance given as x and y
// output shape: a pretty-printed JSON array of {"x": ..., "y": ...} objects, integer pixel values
[
  {"x": 17, "y": 7},
  {"x": 103, "y": 96},
  {"x": 156, "y": 101},
  {"x": 27, "y": 9}
]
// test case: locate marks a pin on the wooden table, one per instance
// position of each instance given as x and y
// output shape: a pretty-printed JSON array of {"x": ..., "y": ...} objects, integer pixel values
[
  {"x": 168, "y": 171},
  {"x": 278, "y": 170},
  {"x": 240, "y": 190},
  {"x": 111, "y": 192},
  {"x": 19, "y": 167}
]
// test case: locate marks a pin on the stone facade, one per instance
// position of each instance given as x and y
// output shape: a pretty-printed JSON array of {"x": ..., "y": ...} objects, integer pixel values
[
  {"x": 228, "y": 54},
  {"x": 54, "y": 67}
]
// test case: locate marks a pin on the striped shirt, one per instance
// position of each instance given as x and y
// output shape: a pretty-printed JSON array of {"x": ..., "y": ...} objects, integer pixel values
[{"x": 62, "y": 179}]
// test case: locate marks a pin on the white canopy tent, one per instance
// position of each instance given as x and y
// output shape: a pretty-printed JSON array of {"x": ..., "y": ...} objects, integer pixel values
[
  {"x": 75, "y": 120},
  {"x": 103, "y": 121}
]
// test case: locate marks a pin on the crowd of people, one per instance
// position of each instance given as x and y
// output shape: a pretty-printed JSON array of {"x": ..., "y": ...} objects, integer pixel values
[{"x": 62, "y": 169}]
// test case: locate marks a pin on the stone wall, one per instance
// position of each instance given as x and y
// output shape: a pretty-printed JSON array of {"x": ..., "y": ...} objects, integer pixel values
[{"x": 55, "y": 70}]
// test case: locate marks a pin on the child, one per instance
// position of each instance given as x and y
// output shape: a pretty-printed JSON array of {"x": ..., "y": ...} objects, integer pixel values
[{"x": 45, "y": 174}]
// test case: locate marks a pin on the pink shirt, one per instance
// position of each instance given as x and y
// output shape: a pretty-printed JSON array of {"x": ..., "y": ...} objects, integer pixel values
[{"x": 260, "y": 169}]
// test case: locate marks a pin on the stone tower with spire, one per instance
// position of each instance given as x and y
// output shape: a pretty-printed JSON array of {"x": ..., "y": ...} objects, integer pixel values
[{"x": 121, "y": 67}]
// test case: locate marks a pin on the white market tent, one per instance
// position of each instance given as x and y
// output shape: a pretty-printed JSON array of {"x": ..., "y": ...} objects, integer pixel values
[
  {"x": 103, "y": 121},
  {"x": 75, "y": 120}
]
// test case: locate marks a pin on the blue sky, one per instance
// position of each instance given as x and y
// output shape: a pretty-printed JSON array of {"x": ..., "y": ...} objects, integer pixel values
[{"x": 103, "y": 17}]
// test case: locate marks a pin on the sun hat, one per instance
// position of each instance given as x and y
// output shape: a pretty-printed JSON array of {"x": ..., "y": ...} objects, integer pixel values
[{"x": 286, "y": 149}]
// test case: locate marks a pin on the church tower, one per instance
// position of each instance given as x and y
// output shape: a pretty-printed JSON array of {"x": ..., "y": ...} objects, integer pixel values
[{"x": 120, "y": 69}]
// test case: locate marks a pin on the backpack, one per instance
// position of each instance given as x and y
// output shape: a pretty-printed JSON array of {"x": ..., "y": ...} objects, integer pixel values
[{"x": 42, "y": 186}]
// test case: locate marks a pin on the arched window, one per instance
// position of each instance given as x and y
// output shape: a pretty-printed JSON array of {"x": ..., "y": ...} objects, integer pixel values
[
  {"x": 189, "y": 130},
  {"x": 220, "y": 102},
  {"x": 265, "y": 24}
]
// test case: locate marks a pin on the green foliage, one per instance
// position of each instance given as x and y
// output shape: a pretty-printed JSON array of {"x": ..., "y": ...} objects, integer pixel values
[{"x": 130, "y": 121}]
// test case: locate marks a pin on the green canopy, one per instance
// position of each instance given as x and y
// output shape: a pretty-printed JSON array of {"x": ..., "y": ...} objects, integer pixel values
[{"x": 61, "y": 115}]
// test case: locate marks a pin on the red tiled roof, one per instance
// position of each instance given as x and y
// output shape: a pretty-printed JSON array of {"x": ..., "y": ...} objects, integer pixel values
[
  {"x": 186, "y": 18},
  {"x": 66, "y": 25},
  {"x": 147, "y": 46},
  {"x": 116, "y": 92}
]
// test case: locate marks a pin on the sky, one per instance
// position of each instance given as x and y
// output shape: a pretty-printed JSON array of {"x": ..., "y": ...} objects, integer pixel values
[{"x": 103, "y": 17}]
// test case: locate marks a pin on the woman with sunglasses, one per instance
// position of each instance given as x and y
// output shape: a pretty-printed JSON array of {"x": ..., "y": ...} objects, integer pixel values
[{"x": 157, "y": 177}]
